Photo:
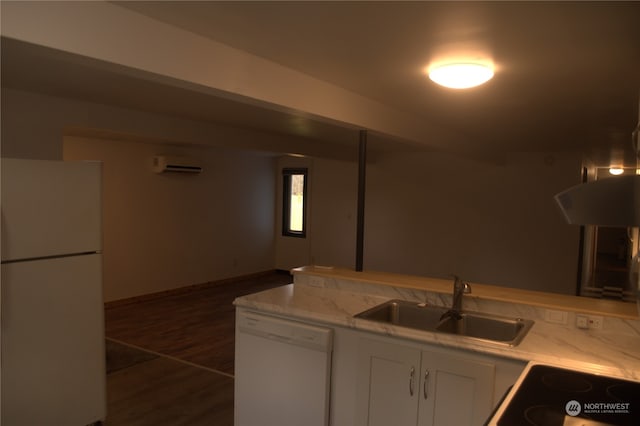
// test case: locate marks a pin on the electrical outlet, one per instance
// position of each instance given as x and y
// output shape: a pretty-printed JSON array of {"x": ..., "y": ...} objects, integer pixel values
[
  {"x": 582, "y": 321},
  {"x": 595, "y": 322},
  {"x": 590, "y": 322},
  {"x": 316, "y": 281}
]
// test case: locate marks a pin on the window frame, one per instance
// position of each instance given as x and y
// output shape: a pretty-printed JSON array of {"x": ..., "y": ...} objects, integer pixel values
[{"x": 287, "y": 173}]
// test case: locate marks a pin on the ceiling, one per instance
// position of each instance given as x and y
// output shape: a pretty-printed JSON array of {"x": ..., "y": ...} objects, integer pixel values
[{"x": 568, "y": 73}]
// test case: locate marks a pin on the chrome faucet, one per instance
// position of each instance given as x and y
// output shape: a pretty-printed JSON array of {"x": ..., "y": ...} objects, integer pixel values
[{"x": 459, "y": 289}]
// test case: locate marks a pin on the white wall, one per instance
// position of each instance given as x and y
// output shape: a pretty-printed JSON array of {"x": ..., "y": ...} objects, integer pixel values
[
  {"x": 163, "y": 231},
  {"x": 33, "y": 125},
  {"x": 334, "y": 213},
  {"x": 331, "y": 215},
  {"x": 433, "y": 214},
  {"x": 489, "y": 223}
]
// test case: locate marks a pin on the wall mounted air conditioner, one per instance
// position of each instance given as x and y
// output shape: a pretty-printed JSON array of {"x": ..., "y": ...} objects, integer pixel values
[{"x": 164, "y": 163}]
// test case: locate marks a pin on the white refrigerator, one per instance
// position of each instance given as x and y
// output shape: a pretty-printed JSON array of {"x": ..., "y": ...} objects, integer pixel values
[{"x": 53, "y": 352}]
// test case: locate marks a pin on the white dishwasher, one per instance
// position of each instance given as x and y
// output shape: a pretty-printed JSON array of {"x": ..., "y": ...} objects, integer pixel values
[{"x": 282, "y": 372}]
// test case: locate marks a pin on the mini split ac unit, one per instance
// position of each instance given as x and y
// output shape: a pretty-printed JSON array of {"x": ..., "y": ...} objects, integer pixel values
[{"x": 163, "y": 164}]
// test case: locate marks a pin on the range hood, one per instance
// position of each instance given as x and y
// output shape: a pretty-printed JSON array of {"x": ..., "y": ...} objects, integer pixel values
[{"x": 607, "y": 202}]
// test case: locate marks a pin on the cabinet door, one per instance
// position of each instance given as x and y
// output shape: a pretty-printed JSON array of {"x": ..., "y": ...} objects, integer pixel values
[
  {"x": 455, "y": 390},
  {"x": 388, "y": 384}
]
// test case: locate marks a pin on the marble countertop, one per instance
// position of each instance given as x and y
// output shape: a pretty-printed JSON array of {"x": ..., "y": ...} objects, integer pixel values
[
  {"x": 614, "y": 351},
  {"x": 486, "y": 291}
]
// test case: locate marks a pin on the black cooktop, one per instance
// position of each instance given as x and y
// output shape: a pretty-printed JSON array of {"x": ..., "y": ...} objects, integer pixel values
[{"x": 552, "y": 396}]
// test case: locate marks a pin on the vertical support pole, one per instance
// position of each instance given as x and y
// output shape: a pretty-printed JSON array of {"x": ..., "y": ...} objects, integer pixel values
[
  {"x": 587, "y": 234},
  {"x": 362, "y": 169}
]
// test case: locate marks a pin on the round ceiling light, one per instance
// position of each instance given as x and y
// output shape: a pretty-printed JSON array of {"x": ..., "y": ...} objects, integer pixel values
[
  {"x": 616, "y": 170},
  {"x": 460, "y": 75}
]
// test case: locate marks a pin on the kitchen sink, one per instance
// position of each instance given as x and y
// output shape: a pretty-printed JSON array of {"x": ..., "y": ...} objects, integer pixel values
[{"x": 472, "y": 325}]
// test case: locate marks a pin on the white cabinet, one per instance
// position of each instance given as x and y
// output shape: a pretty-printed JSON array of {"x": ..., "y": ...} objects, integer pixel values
[
  {"x": 387, "y": 384},
  {"x": 379, "y": 380},
  {"x": 457, "y": 390},
  {"x": 422, "y": 385}
]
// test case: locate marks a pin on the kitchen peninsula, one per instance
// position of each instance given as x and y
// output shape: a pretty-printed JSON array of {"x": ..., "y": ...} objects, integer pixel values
[{"x": 330, "y": 297}]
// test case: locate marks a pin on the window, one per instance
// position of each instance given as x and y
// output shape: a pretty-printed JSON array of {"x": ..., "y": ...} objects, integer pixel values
[{"x": 294, "y": 202}]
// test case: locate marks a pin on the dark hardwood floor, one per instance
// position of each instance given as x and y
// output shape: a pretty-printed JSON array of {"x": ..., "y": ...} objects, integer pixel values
[
  {"x": 182, "y": 373},
  {"x": 162, "y": 391}
]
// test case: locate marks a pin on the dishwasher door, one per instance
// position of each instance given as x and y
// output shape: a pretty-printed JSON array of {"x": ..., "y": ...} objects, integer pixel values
[{"x": 282, "y": 372}]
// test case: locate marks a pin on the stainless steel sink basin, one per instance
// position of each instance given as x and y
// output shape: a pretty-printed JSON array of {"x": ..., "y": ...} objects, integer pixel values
[
  {"x": 472, "y": 325},
  {"x": 509, "y": 331},
  {"x": 405, "y": 314}
]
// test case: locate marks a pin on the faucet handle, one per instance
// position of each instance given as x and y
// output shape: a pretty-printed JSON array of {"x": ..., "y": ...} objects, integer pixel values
[{"x": 458, "y": 282}]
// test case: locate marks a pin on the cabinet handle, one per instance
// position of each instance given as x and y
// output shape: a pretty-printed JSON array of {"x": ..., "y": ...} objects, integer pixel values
[
  {"x": 412, "y": 375},
  {"x": 425, "y": 383}
]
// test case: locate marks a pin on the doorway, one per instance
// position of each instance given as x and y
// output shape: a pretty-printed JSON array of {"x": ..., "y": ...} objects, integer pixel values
[{"x": 607, "y": 258}]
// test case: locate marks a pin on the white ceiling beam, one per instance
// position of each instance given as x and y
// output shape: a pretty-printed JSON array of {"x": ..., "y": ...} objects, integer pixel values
[{"x": 117, "y": 35}]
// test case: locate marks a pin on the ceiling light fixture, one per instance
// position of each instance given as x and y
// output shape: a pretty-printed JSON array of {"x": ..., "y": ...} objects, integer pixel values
[
  {"x": 460, "y": 75},
  {"x": 616, "y": 171}
]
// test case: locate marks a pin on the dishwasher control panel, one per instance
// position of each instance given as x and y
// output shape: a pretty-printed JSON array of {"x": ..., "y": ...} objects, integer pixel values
[{"x": 292, "y": 332}]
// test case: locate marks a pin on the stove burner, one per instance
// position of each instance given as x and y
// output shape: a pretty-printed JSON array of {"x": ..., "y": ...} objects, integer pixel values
[
  {"x": 547, "y": 415},
  {"x": 566, "y": 382},
  {"x": 623, "y": 392},
  {"x": 544, "y": 415}
]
